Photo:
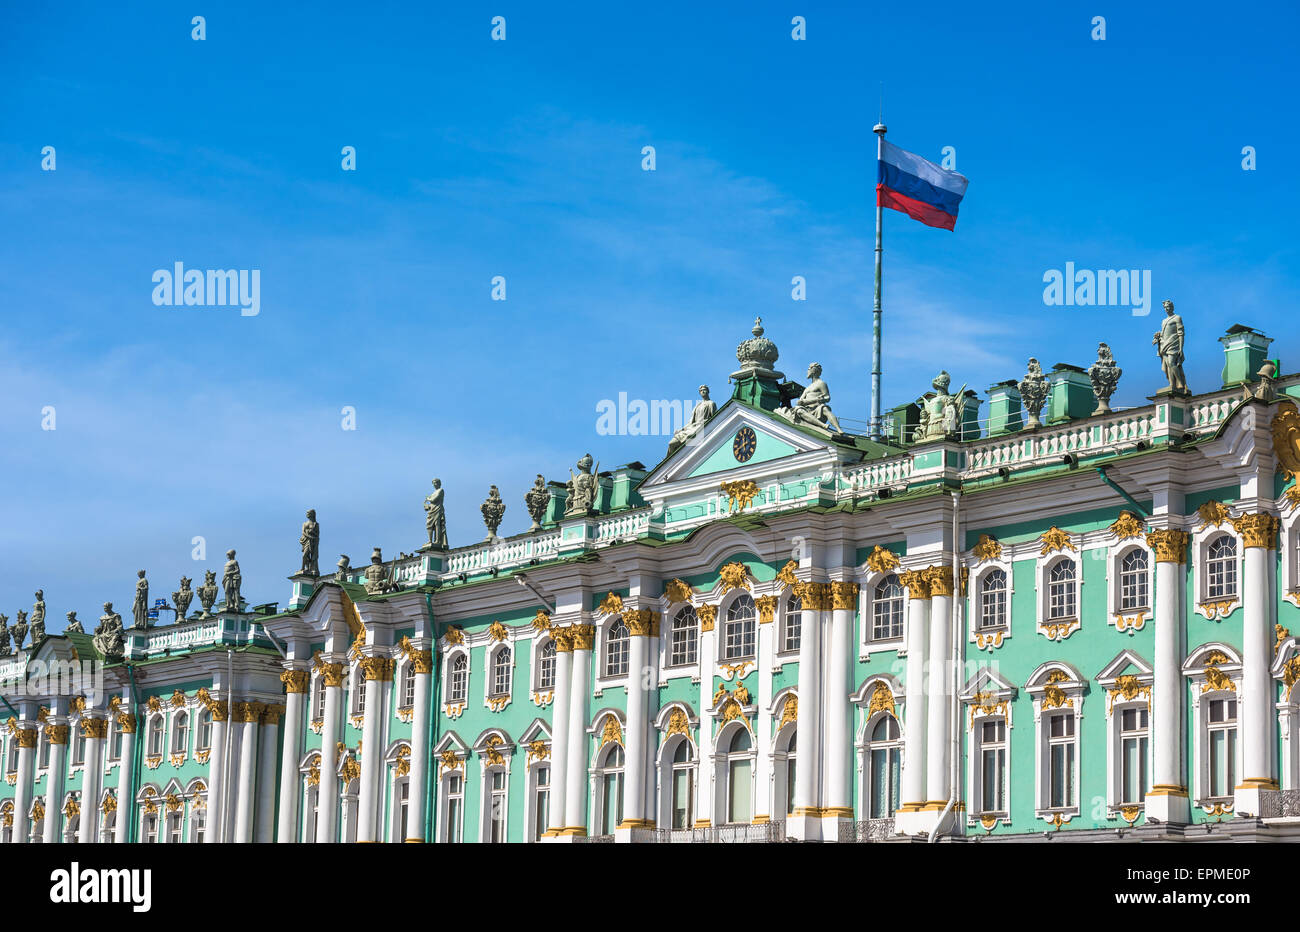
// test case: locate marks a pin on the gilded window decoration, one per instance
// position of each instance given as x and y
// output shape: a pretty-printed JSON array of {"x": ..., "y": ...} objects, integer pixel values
[
  {"x": 612, "y": 604},
  {"x": 497, "y": 631},
  {"x": 1055, "y": 539},
  {"x": 881, "y": 560},
  {"x": 734, "y": 575},
  {"x": 1127, "y": 525},
  {"x": 1212, "y": 514}
]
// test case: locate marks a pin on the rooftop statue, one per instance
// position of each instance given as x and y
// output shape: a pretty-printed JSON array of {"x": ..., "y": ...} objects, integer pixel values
[
  {"x": 1033, "y": 393},
  {"x": 1264, "y": 390},
  {"x": 1104, "y": 374},
  {"x": 5, "y": 649},
  {"x": 700, "y": 415},
  {"x": 813, "y": 407},
  {"x": 493, "y": 510},
  {"x": 582, "y": 488},
  {"x": 109, "y": 634},
  {"x": 1169, "y": 345},
  {"x": 435, "y": 521},
  {"x": 73, "y": 626},
  {"x": 377, "y": 574},
  {"x": 19, "y": 629},
  {"x": 208, "y": 592},
  {"x": 310, "y": 543},
  {"x": 535, "y": 500},
  {"x": 230, "y": 582},
  {"x": 345, "y": 568},
  {"x": 941, "y": 412},
  {"x": 182, "y": 598},
  {"x": 140, "y": 607},
  {"x": 38, "y": 618}
]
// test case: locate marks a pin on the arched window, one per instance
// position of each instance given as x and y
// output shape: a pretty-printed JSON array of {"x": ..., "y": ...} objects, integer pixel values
[
  {"x": 681, "y": 807},
  {"x": 686, "y": 626},
  {"x": 502, "y": 664},
  {"x": 1134, "y": 589},
  {"x": 739, "y": 771},
  {"x": 546, "y": 667},
  {"x": 993, "y": 599},
  {"x": 1061, "y": 601},
  {"x": 738, "y": 635},
  {"x": 1221, "y": 568},
  {"x": 610, "y": 779},
  {"x": 408, "y": 685},
  {"x": 887, "y": 610},
  {"x": 458, "y": 686},
  {"x": 203, "y": 734},
  {"x": 156, "y": 736},
  {"x": 884, "y": 754},
  {"x": 793, "y": 623},
  {"x": 181, "y": 732},
  {"x": 616, "y": 648}
]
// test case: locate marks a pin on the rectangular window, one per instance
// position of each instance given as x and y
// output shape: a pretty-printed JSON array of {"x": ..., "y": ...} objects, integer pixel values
[
  {"x": 403, "y": 807},
  {"x": 1223, "y": 747},
  {"x": 542, "y": 802},
  {"x": 1133, "y": 756},
  {"x": 198, "y": 821},
  {"x": 174, "y": 825},
  {"x": 683, "y": 651},
  {"x": 682, "y": 790},
  {"x": 887, "y": 618},
  {"x": 408, "y": 688},
  {"x": 739, "y": 809},
  {"x": 150, "y": 828},
  {"x": 497, "y": 816},
  {"x": 611, "y": 801},
  {"x": 455, "y": 799},
  {"x": 793, "y": 624},
  {"x": 993, "y": 765},
  {"x": 1061, "y": 760}
]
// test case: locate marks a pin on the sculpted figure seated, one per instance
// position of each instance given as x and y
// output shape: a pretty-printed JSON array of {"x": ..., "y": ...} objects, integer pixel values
[
  {"x": 700, "y": 416},
  {"x": 813, "y": 406}
]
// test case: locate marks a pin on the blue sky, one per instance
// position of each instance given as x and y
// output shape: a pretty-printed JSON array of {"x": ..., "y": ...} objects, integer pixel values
[{"x": 522, "y": 158}]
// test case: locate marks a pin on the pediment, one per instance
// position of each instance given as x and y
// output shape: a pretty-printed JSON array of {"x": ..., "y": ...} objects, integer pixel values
[{"x": 711, "y": 451}]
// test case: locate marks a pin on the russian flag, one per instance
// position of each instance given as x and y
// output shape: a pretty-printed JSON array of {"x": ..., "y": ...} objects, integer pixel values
[{"x": 918, "y": 188}]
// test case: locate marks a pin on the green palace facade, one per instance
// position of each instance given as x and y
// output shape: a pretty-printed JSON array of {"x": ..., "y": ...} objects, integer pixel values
[{"x": 1053, "y": 619}]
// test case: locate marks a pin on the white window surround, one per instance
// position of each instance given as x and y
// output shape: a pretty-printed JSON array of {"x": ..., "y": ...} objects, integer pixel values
[
  {"x": 988, "y": 638},
  {"x": 987, "y": 696},
  {"x": 867, "y": 583},
  {"x": 668, "y": 669},
  {"x": 1056, "y": 688},
  {"x": 542, "y": 695},
  {"x": 1287, "y": 665},
  {"x": 491, "y": 698},
  {"x": 537, "y": 731},
  {"x": 664, "y": 756},
  {"x": 449, "y": 663},
  {"x": 530, "y": 797},
  {"x": 598, "y": 653},
  {"x": 1215, "y": 609},
  {"x": 1057, "y": 629},
  {"x": 451, "y": 741},
  {"x": 783, "y": 609},
  {"x": 1290, "y": 555},
  {"x": 1129, "y": 621},
  {"x": 1124, "y": 693},
  {"x": 1206, "y": 686},
  {"x": 720, "y": 630},
  {"x": 721, "y": 758}
]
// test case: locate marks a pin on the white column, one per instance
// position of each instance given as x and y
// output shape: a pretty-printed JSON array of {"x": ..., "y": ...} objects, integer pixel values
[
  {"x": 939, "y": 702},
  {"x": 838, "y": 737},
  {"x": 706, "y": 771},
  {"x": 125, "y": 816},
  {"x": 378, "y": 671},
  {"x": 296, "y": 683},
  {"x": 1167, "y": 800},
  {"x": 914, "y": 746},
  {"x": 639, "y": 623},
  {"x": 264, "y": 815},
  {"x": 560, "y": 728},
  {"x": 247, "y": 715},
  {"x": 575, "y": 794},
  {"x": 27, "y": 737},
  {"x": 422, "y": 670},
  {"x": 212, "y": 833},
  {"x": 807, "y": 781},
  {"x": 1256, "y": 710},
  {"x": 328, "y": 800},
  {"x": 55, "y": 779},
  {"x": 95, "y": 729}
]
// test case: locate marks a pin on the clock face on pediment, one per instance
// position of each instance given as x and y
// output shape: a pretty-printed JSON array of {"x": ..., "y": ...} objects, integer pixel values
[{"x": 744, "y": 444}]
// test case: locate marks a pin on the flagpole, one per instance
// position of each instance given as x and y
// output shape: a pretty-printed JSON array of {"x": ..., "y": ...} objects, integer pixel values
[{"x": 875, "y": 428}]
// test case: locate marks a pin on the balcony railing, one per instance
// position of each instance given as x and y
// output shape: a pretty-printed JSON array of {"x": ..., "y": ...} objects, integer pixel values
[
  {"x": 764, "y": 833},
  {"x": 1279, "y": 804},
  {"x": 866, "y": 830}
]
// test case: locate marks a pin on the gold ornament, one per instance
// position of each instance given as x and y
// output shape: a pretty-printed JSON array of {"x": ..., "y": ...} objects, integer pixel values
[
  {"x": 987, "y": 548},
  {"x": 882, "y": 699},
  {"x": 1286, "y": 438},
  {"x": 1257, "y": 530},
  {"x": 498, "y": 632},
  {"x": 677, "y": 591},
  {"x": 612, "y": 731},
  {"x": 642, "y": 622},
  {"x": 790, "y": 711},
  {"x": 1169, "y": 545},
  {"x": 739, "y": 493},
  {"x": 881, "y": 560},
  {"x": 1054, "y": 539},
  {"x": 707, "y": 615},
  {"x": 1212, "y": 513},
  {"x": 734, "y": 575},
  {"x": 295, "y": 681},
  {"x": 541, "y": 621},
  {"x": 766, "y": 608},
  {"x": 844, "y": 595},
  {"x": 584, "y": 636},
  {"x": 611, "y": 605},
  {"x": 917, "y": 583},
  {"x": 178, "y": 699},
  {"x": 1127, "y": 525},
  {"x": 678, "y": 724},
  {"x": 454, "y": 636}
]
